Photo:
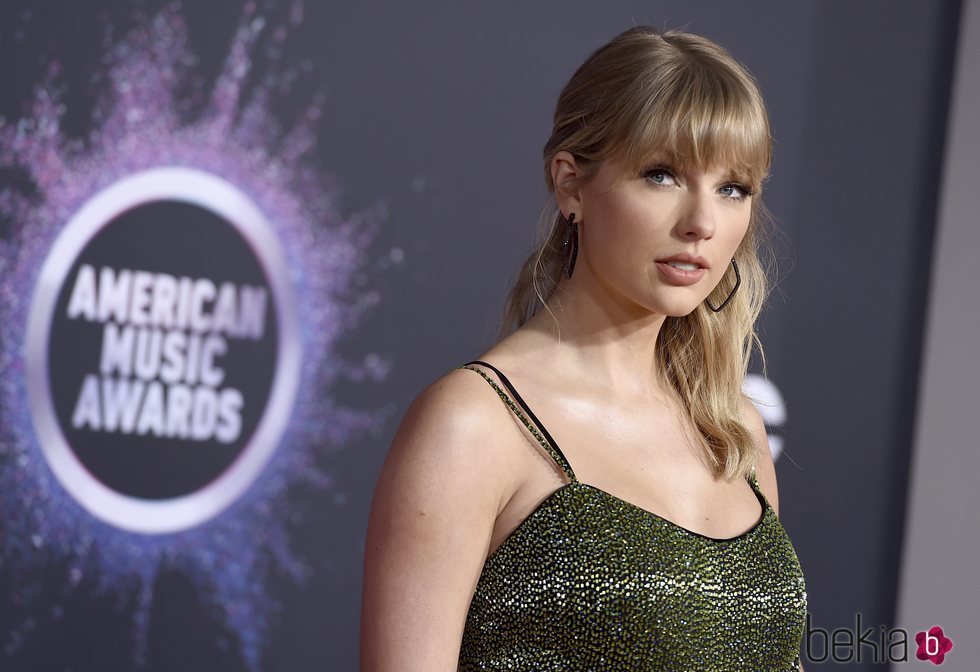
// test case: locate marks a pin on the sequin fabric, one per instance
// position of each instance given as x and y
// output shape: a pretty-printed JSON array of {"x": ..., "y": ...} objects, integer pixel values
[{"x": 590, "y": 582}]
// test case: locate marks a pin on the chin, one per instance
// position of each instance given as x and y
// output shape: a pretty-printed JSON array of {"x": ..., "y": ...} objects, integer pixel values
[
  {"x": 681, "y": 313},
  {"x": 675, "y": 308}
]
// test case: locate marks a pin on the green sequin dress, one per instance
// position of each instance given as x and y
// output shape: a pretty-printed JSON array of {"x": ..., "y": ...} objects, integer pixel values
[{"x": 590, "y": 582}]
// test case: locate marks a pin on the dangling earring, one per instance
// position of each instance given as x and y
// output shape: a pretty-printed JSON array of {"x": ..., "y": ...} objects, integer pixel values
[
  {"x": 738, "y": 281},
  {"x": 571, "y": 234}
]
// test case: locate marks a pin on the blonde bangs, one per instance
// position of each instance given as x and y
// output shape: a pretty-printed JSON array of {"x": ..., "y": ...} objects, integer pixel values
[{"x": 698, "y": 119}]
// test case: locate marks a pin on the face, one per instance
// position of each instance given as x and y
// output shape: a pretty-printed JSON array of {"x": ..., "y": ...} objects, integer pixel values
[{"x": 630, "y": 229}]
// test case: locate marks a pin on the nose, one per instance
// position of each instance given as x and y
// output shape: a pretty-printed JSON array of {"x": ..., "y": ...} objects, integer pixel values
[{"x": 698, "y": 217}]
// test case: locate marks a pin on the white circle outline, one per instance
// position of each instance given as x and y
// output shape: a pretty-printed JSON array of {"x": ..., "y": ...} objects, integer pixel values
[{"x": 215, "y": 194}]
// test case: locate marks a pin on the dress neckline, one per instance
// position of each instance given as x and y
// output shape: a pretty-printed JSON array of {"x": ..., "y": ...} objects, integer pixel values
[
  {"x": 554, "y": 494},
  {"x": 719, "y": 540}
]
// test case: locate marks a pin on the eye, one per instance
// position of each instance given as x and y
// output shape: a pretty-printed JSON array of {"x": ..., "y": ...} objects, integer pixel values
[
  {"x": 656, "y": 173},
  {"x": 741, "y": 191}
]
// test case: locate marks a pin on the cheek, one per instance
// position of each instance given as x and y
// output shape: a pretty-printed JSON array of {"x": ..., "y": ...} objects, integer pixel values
[
  {"x": 628, "y": 219},
  {"x": 621, "y": 236},
  {"x": 728, "y": 239},
  {"x": 739, "y": 232}
]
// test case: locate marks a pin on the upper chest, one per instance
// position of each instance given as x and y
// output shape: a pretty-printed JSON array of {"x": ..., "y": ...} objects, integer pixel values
[{"x": 644, "y": 456}]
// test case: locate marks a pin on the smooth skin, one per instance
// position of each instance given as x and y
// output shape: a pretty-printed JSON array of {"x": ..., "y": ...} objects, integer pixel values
[{"x": 462, "y": 472}]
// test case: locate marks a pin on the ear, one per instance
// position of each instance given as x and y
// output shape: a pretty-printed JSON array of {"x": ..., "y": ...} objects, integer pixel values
[{"x": 565, "y": 173}]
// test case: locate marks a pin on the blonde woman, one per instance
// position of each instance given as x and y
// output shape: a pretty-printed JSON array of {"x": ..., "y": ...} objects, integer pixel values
[{"x": 630, "y": 520}]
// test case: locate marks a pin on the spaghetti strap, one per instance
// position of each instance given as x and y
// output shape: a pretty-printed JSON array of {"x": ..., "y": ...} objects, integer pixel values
[
  {"x": 754, "y": 484},
  {"x": 546, "y": 441}
]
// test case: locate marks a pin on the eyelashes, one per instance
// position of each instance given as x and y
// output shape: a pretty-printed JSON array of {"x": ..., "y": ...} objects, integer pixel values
[
  {"x": 746, "y": 191},
  {"x": 744, "y": 188}
]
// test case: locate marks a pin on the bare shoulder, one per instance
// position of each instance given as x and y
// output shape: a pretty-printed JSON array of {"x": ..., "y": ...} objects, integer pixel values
[
  {"x": 431, "y": 519},
  {"x": 765, "y": 470},
  {"x": 451, "y": 425},
  {"x": 440, "y": 454}
]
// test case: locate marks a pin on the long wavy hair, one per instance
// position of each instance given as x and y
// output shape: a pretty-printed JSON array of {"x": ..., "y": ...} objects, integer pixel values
[{"x": 649, "y": 93}]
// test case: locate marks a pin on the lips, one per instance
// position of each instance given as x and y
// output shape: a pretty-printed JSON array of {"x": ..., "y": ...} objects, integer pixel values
[
  {"x": 686, "y": 258},
  {"x": 678, "y": 276}
]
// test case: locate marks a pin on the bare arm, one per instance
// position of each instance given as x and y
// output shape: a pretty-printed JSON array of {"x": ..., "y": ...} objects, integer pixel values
[{"x": 432, "y": 516}]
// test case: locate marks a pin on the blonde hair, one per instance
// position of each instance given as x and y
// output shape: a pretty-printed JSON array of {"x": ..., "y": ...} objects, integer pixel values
[{"x": 679, "y": 95}]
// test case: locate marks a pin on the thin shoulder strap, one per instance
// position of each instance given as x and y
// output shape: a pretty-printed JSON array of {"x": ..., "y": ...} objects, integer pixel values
[
  {"x": 546, "y": 441},
  {"x": 754, "y": 482}
]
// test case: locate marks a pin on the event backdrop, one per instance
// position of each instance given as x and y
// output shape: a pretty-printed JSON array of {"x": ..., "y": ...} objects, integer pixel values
[{"x": 236, "y": 240}]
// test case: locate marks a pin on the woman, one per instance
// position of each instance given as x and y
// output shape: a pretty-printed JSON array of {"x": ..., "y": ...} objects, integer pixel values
[{"x": 661, "y": 549}]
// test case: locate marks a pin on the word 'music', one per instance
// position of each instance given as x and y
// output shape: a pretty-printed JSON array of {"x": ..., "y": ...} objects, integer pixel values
[{"x": 162, "y": 337}]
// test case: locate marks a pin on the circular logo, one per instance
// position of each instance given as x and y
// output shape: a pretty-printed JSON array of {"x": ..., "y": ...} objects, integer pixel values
[{"x": 162, "y": 350}]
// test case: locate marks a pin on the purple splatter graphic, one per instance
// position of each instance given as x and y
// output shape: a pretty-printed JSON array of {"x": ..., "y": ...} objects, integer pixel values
[{"x": 139, "y": 125}]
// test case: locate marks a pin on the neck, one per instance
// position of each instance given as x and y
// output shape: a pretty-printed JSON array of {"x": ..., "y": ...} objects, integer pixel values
[{"x": 610, "y": 343}]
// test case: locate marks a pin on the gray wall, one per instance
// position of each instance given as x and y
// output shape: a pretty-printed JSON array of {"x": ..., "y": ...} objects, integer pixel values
[{"x": 939, "y": 582}]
